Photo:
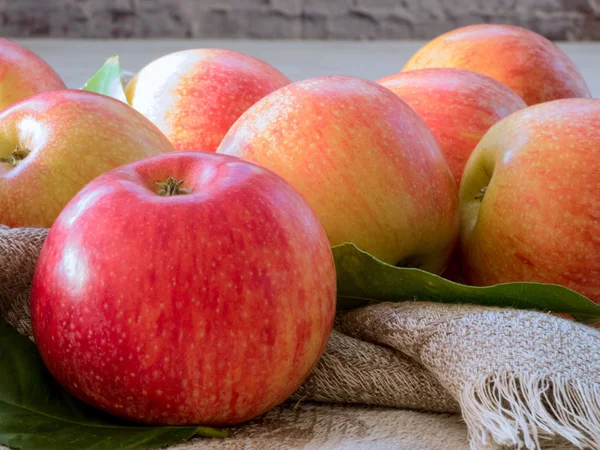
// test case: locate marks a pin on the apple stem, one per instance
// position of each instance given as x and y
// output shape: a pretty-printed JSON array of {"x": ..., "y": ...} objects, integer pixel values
[
  {"x": 171, "y": 187},
  {"x": 481, "y": 195},
  {"x": 16, "y": 156}
]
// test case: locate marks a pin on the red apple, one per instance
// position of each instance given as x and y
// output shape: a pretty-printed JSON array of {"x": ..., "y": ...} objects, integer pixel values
[
  {"x": 54, "y": 143},
  {"x": 364, "y": 160},
  {"x": 459, "y": 106},
  {"x": 526, "y": 62},
  {"x": 530, "y": 199},
  {"x": 23, "y": 74},
  {"x": 194, "y": 96},
  {"x": 207, "y": 307}
]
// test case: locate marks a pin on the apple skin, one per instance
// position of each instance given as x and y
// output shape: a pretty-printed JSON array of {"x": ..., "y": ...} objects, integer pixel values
[
  {"x": 525, "y": 61},
  {"x": 540, "y": 216},
  {"x": 457, "y": 105},
  {"x": 73, "y": 136},
  {"x": 194, "y": 96},
  {"x": 205, "y": 308},
  {"x": 364, "y": 160},
  {"x": 23, "y": 74}
]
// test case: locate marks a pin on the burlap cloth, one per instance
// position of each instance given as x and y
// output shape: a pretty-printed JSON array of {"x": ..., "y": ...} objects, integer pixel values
[{"x": 488, "y": 378}]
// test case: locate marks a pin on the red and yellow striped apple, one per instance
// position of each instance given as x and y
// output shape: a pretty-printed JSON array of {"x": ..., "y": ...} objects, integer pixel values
[
  {"x": 530, "y": 199},
  {"x": 364, "y": 160},
  {"x": 54, "y": 143},
  {"x": 23, "y": 74},
  {"x": 204, "y": 299},
  {"x": 459, "y": 106},
  {"x": 194, "y": 96},
  {"x": 526, "y": 62}
]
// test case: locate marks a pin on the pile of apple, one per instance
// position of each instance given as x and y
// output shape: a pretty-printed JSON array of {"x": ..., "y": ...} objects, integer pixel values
[{"x": 188, "y": 275}]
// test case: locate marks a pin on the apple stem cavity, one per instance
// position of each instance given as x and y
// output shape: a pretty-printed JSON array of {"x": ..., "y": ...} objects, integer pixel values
[
  {"x": 481, "y": 194},
  {"x": 16, "y": 156},
  {"x": 171, "y": 187}
]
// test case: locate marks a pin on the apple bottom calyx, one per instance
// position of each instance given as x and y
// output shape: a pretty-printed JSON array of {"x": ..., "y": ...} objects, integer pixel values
[
  {"x": 16, "y": 156},
  {"x": 409, "y": 262},
  {"x": 171, "y": 187}
]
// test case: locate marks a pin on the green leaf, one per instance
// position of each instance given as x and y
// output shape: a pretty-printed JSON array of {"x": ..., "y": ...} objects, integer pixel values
[
  {"x": 37, "y": 413},
  {"x": 108, "y": 81},
  {"x": 363, "y": 280}
]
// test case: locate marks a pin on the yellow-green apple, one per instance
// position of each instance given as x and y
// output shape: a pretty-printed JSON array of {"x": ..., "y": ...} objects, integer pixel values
[
  {"x": 54, "y": 143},
  {"x": 459, "y": 106},
  {"x": 530, "y": 199},
  {"x": 528, "y": 63},
  {"x": 194, "y": 96},
  {"x": 364, "y": 160},
  {"x": 23, "y": 74},
  {"x": 186, "y": 288}
]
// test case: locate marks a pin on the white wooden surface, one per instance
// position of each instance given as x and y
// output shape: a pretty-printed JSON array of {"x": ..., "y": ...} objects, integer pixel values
[{"x": 77, "y": 60}]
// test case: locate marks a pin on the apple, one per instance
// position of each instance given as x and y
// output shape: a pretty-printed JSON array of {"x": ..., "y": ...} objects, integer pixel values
[
  {"x": 459, "y": 106},
  {"x": 186, "y": 288},
  {"x": 194, "y": 96},
  {"x": 23, "y": 74},
  {"x": 364, "y": 160},
  {"x": 530, "y": 199},
  {"x": 54, "y": 143},
  {"x": 526, "y": 62}
]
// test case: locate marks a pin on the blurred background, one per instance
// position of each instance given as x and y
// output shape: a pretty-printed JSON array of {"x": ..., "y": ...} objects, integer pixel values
[{"x": 572, "y": 20}]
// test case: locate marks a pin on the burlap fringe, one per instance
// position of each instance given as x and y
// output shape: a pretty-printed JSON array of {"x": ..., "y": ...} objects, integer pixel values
[{"x": 525, "y": 410}]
